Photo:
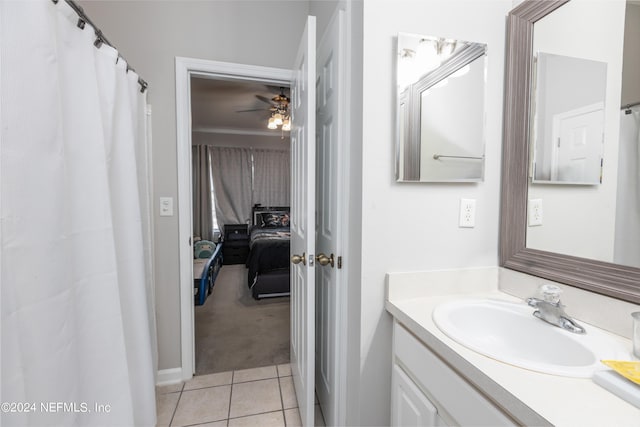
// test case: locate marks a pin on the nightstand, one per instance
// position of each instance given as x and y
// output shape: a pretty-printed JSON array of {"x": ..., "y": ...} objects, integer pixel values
[{"x": 235, "y": 246}]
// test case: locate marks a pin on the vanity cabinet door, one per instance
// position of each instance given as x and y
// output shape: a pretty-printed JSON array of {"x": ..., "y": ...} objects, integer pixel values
[
  {"x": 409, "y": 406},
  {"x": 458, "y": 402}
]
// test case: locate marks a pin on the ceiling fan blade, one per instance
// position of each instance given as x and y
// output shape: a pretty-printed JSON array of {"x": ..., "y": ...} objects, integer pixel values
[
  {"x": 253, "y": 109},
  {"x": 264, "y": 99}
]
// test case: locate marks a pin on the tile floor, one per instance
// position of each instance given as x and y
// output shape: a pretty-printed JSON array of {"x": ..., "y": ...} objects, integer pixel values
[{"x": 250, "y": 397}]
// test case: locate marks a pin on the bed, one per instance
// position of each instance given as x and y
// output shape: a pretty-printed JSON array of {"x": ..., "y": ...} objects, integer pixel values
[
  {"x": 206, "y": 265},
  {"x": 269, "y": 246}
]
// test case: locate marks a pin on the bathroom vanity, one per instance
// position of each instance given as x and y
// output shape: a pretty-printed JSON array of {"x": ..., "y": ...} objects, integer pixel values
[
  {"x": 417, "y": 368},
  {"x": 437, "y": 381}
]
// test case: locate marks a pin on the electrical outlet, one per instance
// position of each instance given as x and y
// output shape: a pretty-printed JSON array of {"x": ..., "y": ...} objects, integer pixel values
[
  {"x": 535, "y": 212},
  {"x": 467, "y": 213}
]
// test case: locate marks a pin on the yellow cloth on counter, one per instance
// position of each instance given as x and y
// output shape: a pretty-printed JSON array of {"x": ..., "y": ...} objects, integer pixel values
[{"x": 629, "y": 370}]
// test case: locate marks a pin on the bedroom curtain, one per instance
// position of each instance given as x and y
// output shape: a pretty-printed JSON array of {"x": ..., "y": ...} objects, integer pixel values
[
  {"x": 77, "y": 320},
  {"x": 202, "y": 203},
  {"x": 271, "y": 177},
  {"x": 231, "y": 172}
]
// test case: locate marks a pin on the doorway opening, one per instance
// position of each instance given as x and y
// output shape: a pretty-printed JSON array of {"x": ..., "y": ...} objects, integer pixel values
[
  {"x": 225, "y": 318},
  {"x": 240, "y": 163}
]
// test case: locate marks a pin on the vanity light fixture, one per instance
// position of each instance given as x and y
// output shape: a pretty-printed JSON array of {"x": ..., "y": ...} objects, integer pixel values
[{"x": 425, "y": 55}]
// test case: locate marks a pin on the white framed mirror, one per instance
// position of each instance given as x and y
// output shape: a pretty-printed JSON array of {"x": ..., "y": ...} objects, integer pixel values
[{"x": 440, "y": 109}]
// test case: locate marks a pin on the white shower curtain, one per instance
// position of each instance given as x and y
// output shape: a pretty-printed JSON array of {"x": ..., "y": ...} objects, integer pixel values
[
  {"x": 77, "y": 322},
  {"x": 627, "y": 232}
]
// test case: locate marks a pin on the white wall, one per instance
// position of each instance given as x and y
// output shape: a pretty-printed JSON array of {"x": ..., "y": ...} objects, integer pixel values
[
  {"x": 323, "y": 10},
  {"x": 408, "y": 226},
  {"x": 150, "y": 34},
  {"x": 585, "y": 226}
]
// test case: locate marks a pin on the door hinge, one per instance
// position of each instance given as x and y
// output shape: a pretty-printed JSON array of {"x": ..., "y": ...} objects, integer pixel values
[
  {"x": 339, "y": 262},
  {"x": 189, "y": 240}
]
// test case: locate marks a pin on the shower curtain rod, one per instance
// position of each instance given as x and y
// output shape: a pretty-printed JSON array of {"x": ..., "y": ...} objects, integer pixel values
[
  {"x": 627, "y": 106},
  {"x": 100, "y": 38}
]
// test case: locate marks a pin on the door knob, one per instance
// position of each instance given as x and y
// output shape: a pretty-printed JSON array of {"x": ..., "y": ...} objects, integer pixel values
[
  {"x": 297, "y": 259},
  {"x": 324, "y": 260}
]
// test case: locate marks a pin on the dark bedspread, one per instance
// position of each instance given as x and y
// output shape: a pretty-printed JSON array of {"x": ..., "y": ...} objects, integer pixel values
[{"x": 268, "y": 251}]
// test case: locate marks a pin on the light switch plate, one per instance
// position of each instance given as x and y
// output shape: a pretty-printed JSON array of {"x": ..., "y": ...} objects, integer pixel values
[{"x": 166, "y": 206}]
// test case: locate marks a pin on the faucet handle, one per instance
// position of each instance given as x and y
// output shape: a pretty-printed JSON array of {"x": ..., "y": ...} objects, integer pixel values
[{"x": 550, "y": 293}]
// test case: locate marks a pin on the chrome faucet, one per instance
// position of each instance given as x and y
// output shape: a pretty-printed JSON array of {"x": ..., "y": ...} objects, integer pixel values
[{"x": 551, "y": 310}]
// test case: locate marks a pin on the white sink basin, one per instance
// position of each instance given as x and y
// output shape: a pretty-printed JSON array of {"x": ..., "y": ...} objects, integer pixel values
[{"x": 509, "y": 332}]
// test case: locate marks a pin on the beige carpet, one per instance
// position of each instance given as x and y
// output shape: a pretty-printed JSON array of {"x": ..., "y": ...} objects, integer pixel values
[{"x": 235, "y": 331}]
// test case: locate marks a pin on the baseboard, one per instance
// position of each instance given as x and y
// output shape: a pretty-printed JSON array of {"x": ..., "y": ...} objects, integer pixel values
[{"x": 169, "y": 376}]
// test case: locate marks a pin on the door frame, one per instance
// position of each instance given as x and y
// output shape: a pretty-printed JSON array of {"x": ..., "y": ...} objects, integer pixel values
[{"x": 185, "y": 68}]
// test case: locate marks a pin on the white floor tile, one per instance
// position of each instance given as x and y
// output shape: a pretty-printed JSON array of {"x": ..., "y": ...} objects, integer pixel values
[
  {"x": 255, "y": 397},
  {"x": 211, "y": 380},
  {"x": 255, "y": 374},
  {"x": 165, "y": 407},
  {"x": 284, "y": 370},
  {"x": 292, "y": 416},
  {"x": 288, "y": 393},
  {"x": 222, "y": 423},
  {"x": 202, "y": 406},
  {"x": 270, "y": 419},
  {"x": 169, "y": 388}
]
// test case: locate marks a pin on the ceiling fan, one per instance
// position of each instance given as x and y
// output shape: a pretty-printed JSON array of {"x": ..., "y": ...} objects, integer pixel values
[{"x": 279, "y": 108}]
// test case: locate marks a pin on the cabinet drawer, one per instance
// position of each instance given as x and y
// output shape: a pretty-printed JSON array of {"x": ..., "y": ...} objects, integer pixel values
[
  {"x": 234, "y": 254},
  {"x": 447, "y": 390},
  {"x": 236, "y": 232}
]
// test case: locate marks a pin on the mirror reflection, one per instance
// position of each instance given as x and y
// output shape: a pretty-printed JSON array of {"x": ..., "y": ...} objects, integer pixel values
[
  {"x": 440, "y": 109},
  {"x": 599, "y": 222},
  {"x": 568, "y": 125}
]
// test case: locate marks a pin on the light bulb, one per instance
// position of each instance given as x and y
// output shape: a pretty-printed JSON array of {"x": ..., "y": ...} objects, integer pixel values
[
  {"x": 286, "y": 125},
  {"x": 277, "y": 118},
  {"x": 272, "y": 123}
]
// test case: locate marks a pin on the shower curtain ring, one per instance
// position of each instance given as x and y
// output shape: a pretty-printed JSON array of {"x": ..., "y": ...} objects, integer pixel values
[{"x": 99, "y": 39}]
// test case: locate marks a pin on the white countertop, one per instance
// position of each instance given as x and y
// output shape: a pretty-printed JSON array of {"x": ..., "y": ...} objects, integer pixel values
[{"x": 530, "y": 397}]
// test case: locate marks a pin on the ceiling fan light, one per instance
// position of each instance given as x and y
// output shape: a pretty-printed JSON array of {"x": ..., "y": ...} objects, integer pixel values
[
  {"x": 272, "y": 123},
  {"x": 278, "y": 119},
  {"x": 286, "y": 125}
]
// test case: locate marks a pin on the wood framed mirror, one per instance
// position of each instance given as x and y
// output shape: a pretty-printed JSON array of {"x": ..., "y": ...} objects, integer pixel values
[{"x": 607, "y": 278}]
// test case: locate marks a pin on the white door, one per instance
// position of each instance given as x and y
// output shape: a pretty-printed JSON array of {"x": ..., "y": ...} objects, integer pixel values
[
  {"x": 303, "y": 198},
  {"x": 329, "y": 117},
  {"x": 577, "y": 153}
]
